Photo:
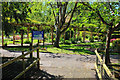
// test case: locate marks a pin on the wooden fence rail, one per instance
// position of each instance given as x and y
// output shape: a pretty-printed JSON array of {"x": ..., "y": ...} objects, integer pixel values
[
  {"x": 101, "y": 68},
  {"x": 23, "y": 57}
]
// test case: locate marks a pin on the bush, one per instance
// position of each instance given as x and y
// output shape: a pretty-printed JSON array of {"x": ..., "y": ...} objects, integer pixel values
[
  {"x": 86, "y": 36},
  {"x": 27, "y": 42},
  {"x": 67, "y": 42},
  {"x": 74, "y": 41},
  {"x": 79, "y": 39},
  {"x": 116, "y": 44},
  {"x": 103, "y": 39},
  {"x": 96, "y": 37},
  {"x": 91, "y": 39}
]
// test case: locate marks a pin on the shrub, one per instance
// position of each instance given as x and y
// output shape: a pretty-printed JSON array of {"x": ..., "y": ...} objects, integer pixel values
[
  {"x": 67, "y": 42},
  {"x": 27, "y": 42},
  {"x": 96, "y": 37},
  {"x": 74, "y": 41},
  {"x": 116, "y": 44},
  {"x": 91, "y": 39},
  {"x": 79, "y": 39},
  {"x": 103, "y": 39}
]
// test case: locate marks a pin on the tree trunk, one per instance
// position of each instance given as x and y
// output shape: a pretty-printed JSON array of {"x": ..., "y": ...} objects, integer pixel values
[
  {"x": 98, "y": 36},
  {"x": 107, "y": 55},
  {"x": 52, "y": 35},
  {"x": 74, "y": 33},
  {"x": 57, "y": 37},
  {"x": 83, "y": 36},
  {"x": 78, "y": 33},
  {"x": 2, "y": 38},
  {"x": 28, "y": 33},
  {"x": 13, "y": 37},
  {"x": 64, "y": 37}
]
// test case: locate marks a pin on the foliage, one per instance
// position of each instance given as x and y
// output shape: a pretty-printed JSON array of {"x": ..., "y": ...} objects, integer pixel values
[
  {"x": 27, "y": 42},
  {"x": 13, "y": 12},
  {"x": 91, "y": 39},
  {"x": 74, "y": 41},
  {"x": 96, "y": 37},
  {"x": 103, "y": 38}
]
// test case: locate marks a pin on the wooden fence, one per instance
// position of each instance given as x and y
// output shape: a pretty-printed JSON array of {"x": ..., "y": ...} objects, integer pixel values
[
  {"x": 103, "y": 72},
  {"x": 23, "y": 57}
]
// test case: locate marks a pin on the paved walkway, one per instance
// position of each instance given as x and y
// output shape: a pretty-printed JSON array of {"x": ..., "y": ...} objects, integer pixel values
[
  {"x": 68, "y": 66},
  {"x": 65, "y": 65}
]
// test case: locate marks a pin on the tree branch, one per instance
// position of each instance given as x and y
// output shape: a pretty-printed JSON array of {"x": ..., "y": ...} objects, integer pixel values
[
  {"x": 70, "y": 18},
  {"x": 116, "y": 27},
  {"x": 70, "y": 12},
  {"x": 62, "y": 20},
  {"x": 97, "y": 11},
  {"x": 53, "y": 11}
]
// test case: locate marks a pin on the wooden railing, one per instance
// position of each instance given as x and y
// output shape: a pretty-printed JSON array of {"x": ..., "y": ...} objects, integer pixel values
[
  {"x": 102, "y": 70},
  {"x": 23, "y": 57}
]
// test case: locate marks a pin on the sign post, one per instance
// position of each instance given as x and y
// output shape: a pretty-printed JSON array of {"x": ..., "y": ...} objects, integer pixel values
[{"x": 38, "y": 35}]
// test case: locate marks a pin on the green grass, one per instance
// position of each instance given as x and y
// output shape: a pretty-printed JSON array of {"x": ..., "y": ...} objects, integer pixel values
[
  {"x": 17, "y": 49},
  {"x": 71, "y": 49},
  {"x": 64, "y": 48}
]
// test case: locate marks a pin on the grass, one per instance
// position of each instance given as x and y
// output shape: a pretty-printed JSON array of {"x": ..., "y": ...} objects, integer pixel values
[
  {"x": 71, "y": 49},
  {"x": 64, "y": 48},
  {"x": 80, "y": 48}
]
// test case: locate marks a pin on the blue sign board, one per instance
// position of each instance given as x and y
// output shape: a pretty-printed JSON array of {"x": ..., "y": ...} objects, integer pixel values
[{"x": 38, "y": 34}]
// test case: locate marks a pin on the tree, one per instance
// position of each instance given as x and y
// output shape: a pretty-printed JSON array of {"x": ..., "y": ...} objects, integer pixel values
[
  {"x": 14, "y": 12},
  {"x": 62, "y": 12},
  {"x": 108, "y": 14}
]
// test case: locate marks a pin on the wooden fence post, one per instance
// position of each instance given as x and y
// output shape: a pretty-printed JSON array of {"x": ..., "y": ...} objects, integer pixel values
[
  {"x": 23, "y": 63},
  {"x": 31, "y": 46},
  {"x": 30, "y": 50},
  {"x": 38, "y": 58},
  {"x": 21, "y": 37}
]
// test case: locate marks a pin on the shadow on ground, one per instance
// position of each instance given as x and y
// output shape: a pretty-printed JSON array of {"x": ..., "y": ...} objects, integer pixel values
[{"x": 11, "y": 71}]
